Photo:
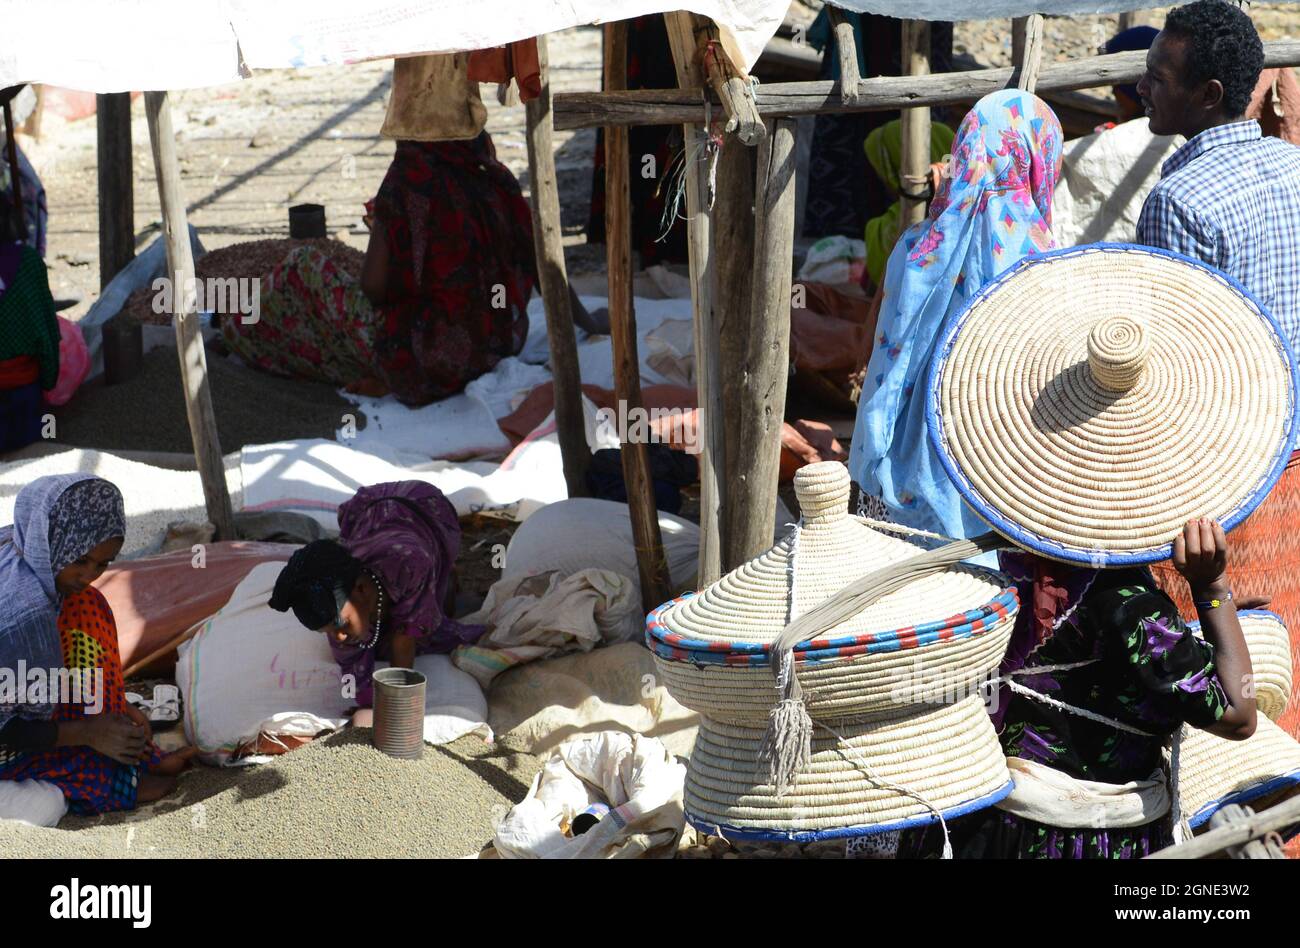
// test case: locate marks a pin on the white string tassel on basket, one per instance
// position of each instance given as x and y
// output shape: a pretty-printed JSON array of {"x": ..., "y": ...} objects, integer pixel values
[{"x": 787, "y": 744}]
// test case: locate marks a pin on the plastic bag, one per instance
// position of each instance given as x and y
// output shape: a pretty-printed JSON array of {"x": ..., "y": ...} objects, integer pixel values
[
  {"x": 633, "y": 775},
  {"x": 74, "y": 363},
  {"x": 834, "y": 259}
]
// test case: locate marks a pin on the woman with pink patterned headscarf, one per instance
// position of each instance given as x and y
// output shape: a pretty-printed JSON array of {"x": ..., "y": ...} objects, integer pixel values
[{"x": 993, "y": 209}]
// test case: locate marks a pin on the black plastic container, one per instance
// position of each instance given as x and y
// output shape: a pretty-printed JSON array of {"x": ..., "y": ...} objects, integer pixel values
[
  {"x": 123, "y": 349},
  {"x": 306, "y": 221}
]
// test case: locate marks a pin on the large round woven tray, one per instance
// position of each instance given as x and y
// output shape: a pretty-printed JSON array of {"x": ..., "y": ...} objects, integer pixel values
[{"x": 1067, "y": 396}]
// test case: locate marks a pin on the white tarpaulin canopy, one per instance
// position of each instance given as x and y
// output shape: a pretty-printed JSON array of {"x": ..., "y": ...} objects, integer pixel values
[
  {"x": 129, "y": 45},
  {"x": 988, "y": 9}
]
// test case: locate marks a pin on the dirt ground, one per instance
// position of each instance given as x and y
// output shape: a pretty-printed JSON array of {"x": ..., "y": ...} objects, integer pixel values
[{"x": 251, "y": 149}]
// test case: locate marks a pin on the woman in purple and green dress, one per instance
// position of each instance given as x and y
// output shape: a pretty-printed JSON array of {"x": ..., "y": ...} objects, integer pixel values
[
  {"x": 1137, "y": 663},
  {"x": 385, "y": 589}
]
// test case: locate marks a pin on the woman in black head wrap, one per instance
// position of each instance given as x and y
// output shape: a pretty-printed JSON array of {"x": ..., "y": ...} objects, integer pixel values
[
  {"x": 385, "y": 589},
  {"x": 316, "y": 584}
]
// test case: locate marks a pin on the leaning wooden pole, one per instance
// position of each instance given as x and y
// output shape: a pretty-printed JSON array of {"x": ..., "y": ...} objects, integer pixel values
[
  {"x": 189, "y": 341},
  {"x": 652, "y": 564},
  {"x": 847, "y": 46},
  {"x": 566, "y": 377},
  {"x": 762, "y": 376},
  {"x": 914, "y": 173},
  {"x": 15, "y": 176},
  {"x": 1026, "y": 51},
  {"x": 709, "y": 424}
]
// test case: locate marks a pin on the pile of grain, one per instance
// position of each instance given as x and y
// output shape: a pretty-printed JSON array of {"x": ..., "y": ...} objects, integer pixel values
[
  {"x": 337, "y": 797},
  {"x": 255, "y": 258},
  {"x": 147, "y": 413}
]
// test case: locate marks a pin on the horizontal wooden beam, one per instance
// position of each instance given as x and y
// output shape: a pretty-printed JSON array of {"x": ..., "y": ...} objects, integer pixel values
[{"x": 681, "y": 106}]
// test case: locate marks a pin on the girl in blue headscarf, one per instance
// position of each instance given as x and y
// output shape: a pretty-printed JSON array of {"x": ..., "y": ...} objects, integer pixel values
[
  {"x": 87, "y": 749},
  {"x": 993, "y": 208}
]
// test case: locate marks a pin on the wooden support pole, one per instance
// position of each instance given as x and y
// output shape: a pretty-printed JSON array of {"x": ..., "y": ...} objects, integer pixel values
[
  {"x": 566, "y": 377},
  {"x": 847, "y": 45},
  {"x": 1026, "y": 51},
  {"x": 709, "y": 432},
  {"x": 652, "y": 565},
  {"x": 116, "y": 184},
  {"x": 15, "y": 178},
  {"x": 733, "y": 241},
  {"x": 760, "y": 380},
  {"x": 914, "y": 173},
  {"x": 882, "y": 93},
  {"x": 189, "y": 341},
  {"x": 1127, "y": 20}
]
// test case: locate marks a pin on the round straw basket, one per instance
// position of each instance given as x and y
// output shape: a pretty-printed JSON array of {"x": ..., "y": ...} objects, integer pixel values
[
  {"x": 1269, "y": 645},
  {"x": 1066, "y": 398},
  {"x": 948, "y": 755},
  {"x": 1214, "y": 772}
]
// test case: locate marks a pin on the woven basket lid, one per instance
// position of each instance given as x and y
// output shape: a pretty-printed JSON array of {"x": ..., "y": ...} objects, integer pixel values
[
  {"x": 1269, "y": 645},
  {"x": 1214, "y": 772},
  {"x": 745, "y": 610},
  {"x": 1090, "y": 401}
]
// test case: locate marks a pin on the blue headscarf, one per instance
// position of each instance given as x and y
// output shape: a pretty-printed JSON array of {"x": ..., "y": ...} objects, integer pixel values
[
  {"x": 993, "y": 208},
  {"x": 57, "y": 520}
]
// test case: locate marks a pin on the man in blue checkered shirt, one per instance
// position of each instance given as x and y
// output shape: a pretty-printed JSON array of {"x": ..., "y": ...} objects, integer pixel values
[{"x": 1228, "y": 197}]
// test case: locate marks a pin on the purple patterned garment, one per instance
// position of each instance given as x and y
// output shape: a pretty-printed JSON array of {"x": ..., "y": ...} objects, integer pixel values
[
  {"x": 1144, "y": 668},
  {"x": 407, "y": 533}
]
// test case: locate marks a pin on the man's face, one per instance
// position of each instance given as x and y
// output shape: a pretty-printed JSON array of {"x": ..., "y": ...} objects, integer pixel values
[{"x": 1172, "y": 107}]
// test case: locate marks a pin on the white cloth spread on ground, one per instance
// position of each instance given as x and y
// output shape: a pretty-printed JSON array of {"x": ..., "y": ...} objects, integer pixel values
[
  {"x": 634, "y": 776},
  {"x": 252, "y": 671},
  {"x": 1105, "y": 179},
  {"x": 315, "y": 476},
  {"x": 114, "y": 47},
  {"x": 1046, "y": 795}
]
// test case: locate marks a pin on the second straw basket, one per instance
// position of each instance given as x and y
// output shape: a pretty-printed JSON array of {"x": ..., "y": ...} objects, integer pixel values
[
  {"x": 901, "y": 732},
  {"x": 1214, "y": 772}
]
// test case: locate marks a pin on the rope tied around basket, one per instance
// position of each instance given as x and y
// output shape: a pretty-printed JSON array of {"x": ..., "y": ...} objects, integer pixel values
[{"x": 787, "y": 743}]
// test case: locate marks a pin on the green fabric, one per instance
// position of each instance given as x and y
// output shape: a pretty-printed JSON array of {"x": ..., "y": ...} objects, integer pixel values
[
  {"x": 28, "y": 326},
  {"x": 884, "y": 148}
]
